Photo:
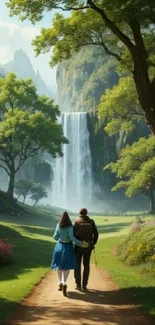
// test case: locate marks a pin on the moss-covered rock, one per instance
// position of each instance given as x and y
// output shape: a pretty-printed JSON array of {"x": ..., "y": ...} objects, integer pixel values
[{"x": 83, "y": 79}]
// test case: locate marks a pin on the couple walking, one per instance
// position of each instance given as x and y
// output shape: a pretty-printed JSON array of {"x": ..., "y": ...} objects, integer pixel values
[{"x": 66, "y": 257}]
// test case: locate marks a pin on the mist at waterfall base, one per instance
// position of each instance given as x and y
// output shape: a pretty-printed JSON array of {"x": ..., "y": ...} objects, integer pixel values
[{"x": 72, "y": 187}]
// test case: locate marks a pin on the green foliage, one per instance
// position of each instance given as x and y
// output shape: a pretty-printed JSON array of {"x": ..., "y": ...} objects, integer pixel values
[
  {"x": 70, "y": 34},
  {"x": 119, "y": 108},
  {"x": 136, "y": 169},
  {"x": 38, "y": 192},
  {"x": 16, "y": 93},
  {"x": 85, "y": 27},
  {"x": 86, "y": 76},
  {"x": 29, "y": 125},
  {"x": 122, "y": 29},
  {"x": 23, "y": 188},
  {"x": 139, "y": 247},
  {"x": 18, "y": 279},
  {"x": 136, "y": 281}
]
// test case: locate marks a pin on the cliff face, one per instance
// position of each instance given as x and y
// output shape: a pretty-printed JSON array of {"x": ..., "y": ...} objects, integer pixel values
[
  {"x": 22, "y": 67},
  {"x": 105, "y": 149},
  {"x": 83, "y": 79}
]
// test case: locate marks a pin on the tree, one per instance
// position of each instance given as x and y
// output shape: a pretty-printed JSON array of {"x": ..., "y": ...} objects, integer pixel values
[
  {"x": 122, "y": 29},
  {"x": 23, "y": 188},
  {"x": 135, "y": 170},
  {"x": 29, "y": 126},
  {"x": 38, "y": 193},
  {"x": 119, "y": 108}
]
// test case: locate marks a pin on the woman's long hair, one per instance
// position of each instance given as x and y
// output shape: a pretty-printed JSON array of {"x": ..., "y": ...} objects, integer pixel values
[{"x": 65, "y": 220}]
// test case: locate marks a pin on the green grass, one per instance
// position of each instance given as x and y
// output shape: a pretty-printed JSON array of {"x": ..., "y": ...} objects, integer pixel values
[
  {"x": 31, "y": 233},
  {"x": 130, "y": 279},
  {"x": 115, "y": 226},
  {"x": 33, "y": 252}
]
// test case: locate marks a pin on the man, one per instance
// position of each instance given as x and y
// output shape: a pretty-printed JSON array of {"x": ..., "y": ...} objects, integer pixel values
[{"x": 84, "y": 230}]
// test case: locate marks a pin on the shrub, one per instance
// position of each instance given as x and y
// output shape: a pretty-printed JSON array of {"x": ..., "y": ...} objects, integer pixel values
[
  {"x": 7, "y": 204},
  {"x": 139, "y": 247},
  {"x": 6, "y": 252}
]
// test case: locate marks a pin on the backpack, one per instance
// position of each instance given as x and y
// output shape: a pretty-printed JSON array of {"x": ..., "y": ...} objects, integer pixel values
[{"x": 83, "y": 229}]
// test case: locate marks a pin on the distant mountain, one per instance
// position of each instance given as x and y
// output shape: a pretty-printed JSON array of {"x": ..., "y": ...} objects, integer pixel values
[{"x": 22, "y": 67}]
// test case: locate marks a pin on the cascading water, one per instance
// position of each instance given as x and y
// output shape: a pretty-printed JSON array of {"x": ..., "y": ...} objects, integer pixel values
[{"x": 72, "y": 183}]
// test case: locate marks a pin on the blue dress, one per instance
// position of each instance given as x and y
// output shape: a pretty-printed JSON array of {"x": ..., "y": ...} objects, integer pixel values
[{"x": 63, "y": 255}]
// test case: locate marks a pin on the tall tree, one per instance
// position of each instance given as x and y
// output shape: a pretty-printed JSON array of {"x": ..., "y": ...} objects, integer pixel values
[
  {"x": 123, "y": 29},
  {"x": 135, "y": 170},
  {"x": 29, "y": 126}
]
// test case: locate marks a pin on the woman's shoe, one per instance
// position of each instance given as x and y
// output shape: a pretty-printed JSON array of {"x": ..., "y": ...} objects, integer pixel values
[
  {"x": 64, "y": 289},
  {"x": 60, "y": 287}
]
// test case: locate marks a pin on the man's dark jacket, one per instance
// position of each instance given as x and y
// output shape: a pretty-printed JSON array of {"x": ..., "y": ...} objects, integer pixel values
[{"x": 86, "y": 230}]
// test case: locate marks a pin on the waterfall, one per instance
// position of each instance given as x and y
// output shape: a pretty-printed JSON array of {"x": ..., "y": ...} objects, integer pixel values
[{"x": 72, "y": 183}]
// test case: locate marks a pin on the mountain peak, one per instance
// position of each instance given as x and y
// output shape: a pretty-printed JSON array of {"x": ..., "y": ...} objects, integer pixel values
[{"x": 21, "y": 56}]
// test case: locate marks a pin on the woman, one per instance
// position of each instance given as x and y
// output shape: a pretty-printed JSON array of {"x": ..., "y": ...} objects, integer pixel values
[{"x": 64, "y": 258}]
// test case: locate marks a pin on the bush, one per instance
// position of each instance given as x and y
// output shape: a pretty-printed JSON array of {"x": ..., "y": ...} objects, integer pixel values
[
  {"x": 6, "y": 252},
  {"x": 139, "y": 247},
  {"x": 7, "y": 204}
]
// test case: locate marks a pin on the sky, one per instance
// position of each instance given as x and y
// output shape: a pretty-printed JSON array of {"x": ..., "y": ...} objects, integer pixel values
[{"x": 15, "y": 34}]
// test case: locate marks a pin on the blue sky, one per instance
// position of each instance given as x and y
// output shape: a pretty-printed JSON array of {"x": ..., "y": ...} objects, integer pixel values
[{"x": 15, "y": 35}]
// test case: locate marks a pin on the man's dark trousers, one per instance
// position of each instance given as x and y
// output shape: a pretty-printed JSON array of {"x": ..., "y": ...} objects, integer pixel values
[{"x": 82, "y": 254}]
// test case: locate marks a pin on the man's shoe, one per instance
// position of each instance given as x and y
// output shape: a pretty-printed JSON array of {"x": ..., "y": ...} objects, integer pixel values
[
  {"x": 78, "y": 287},
  {"x": 85, "y": 288},
  {"x": 60, "y": 287}
]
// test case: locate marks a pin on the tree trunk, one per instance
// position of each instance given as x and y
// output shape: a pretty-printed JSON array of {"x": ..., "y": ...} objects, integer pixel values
[
  {"x": 145, "y": 90},
  {"x": 11, "y": 183},
  {"x": 12, "y": 178},
  {"x": 145, "y": 87},
  {"x": 152, "y": 201}
]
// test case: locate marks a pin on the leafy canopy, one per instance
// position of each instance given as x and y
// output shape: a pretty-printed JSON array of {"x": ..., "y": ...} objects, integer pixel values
[
  {"x": 135, "y": 168},
  {"x": 101, "y": 23},
  {"x": 119, "y": 108},
  {"x": 38, "y": 192},
  {"x": 29, "y": 124},
  {"x": 26, "y": 187},
  {"x": 123, "y": 29},
  {"x": 23, "y": 188}
]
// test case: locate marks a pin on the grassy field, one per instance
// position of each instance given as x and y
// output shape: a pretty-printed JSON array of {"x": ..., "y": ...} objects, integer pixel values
[
  {"x": 31, "y": 233},
  {"x": 135, "y": 281},
  {"x": 115, "y": 226},
  {"x": 33, "y": 251}
]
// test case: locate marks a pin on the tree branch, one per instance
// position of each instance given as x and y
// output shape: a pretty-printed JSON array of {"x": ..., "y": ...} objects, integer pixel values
[
  {"x": 115, "y": 55},
  {"x": 72, "y": 8},
  {"x": 5, "y": 169},
  {"x": 109, "y": 23},
  {"x": 136, "y": 30}
]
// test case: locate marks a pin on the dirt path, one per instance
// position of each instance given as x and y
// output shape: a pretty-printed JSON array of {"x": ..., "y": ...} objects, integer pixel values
[{"x": 103, "y": 305}]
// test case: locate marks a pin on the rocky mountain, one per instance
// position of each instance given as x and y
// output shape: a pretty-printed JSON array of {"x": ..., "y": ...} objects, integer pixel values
[
  {"x": 83, "y": 79},
  {"x": 22, "y": 66}
]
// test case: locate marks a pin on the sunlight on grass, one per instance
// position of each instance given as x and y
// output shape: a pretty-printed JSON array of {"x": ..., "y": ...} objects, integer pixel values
[
  {"x": 31, "y": 233},
  {"x": 33, "y": 252},
  {"x": 140, "y": 287}
]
